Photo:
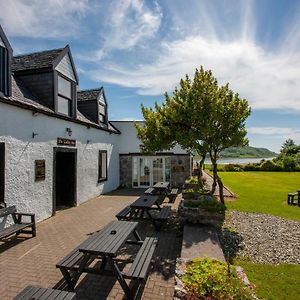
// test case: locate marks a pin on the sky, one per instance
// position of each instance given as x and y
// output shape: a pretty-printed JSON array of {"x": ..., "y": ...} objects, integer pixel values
[{"x": 138, "y": 50}]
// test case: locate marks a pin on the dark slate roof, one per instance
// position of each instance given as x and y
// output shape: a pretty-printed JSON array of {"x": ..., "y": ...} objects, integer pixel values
[
  {"x": 21, "y": 96},
  {"x": 85, "y": 95},
  {"x": 37, "y": 60}
]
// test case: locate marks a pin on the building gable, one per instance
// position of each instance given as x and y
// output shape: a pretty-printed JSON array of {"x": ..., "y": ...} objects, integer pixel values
[{"x": 65, "y": 67}]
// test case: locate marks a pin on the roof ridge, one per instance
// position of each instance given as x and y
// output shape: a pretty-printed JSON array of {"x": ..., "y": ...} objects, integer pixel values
[
  {"x": 88, "y": 90},
  {"x": 30, "y": 53}
]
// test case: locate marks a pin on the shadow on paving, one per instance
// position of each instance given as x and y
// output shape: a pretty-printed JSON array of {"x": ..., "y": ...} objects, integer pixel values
[
  {"x": 12, "y": 241},
  {"x": 92, "y": 287},
  {"x": 231, "y": 243}
]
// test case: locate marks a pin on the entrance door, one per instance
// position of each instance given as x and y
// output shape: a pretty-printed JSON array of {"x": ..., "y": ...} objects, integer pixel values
[
  {"x": 2, "y": 174},
  {"x": 144, "y": 171},
  {"x": 64, "y": 178},
  {"x": 158, "y": 170},
  {"x": 148, "y": 170}
]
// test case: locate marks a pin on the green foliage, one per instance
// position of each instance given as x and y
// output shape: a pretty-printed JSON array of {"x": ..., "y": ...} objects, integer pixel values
[
  {"x": 192, "y": 179},
  {"x": 200, "y": 116},
  {"x": 209, "y": 205},
  {"x": 246, "y": 152},
  {"x": 233, "y": 168},
  {"x": 270, "y": 165},
  {"x": 212, "y": 279}
]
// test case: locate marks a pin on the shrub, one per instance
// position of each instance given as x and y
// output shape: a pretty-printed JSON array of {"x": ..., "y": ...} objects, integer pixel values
[
  {"x": 252, "y": 167},
  {"x": 270, "y": 165},
  {"x": 289, "y": 163},
  {"x": 233, "y": 168},
  {"x": 209, "y": 279},
  {"x": 211, "y": 205}
]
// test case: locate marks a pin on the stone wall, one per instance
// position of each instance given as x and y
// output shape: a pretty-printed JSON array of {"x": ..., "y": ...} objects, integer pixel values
[
  {"x": 180, "y": 169},
  {"x": 126, "y": 171}
]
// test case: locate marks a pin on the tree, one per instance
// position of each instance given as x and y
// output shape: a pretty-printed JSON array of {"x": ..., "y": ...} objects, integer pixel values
[{"x": 200, "y": 116}]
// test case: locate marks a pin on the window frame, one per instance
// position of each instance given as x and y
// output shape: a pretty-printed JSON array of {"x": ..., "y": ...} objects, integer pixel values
[
  {"x": 6, "y": 72},
  {"x": 100, "y": 165},
  {"x": 70, "y": 100}
]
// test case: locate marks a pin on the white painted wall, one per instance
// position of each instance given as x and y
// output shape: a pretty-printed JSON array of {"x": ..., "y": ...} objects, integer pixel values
[
  {"x": 16, "y": 127},
  {"x": 129, "y": 142}
]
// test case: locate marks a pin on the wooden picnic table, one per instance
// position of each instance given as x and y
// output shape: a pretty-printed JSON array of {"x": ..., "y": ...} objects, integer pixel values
[
  {"x": 161, "y": 187},
  {"x": 105, "y": 244}
]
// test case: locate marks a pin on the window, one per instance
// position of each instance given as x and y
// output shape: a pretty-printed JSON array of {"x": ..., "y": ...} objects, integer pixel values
[
  {"x": 3, "y": 71},
  {"x": 64, "y": 98},
  {"x": 102, "y": 166},
  {"x": 102, "y": 117}
]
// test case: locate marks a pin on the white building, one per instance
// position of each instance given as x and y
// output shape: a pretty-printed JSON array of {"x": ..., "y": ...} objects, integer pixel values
[{"x": 57, "y": 146}]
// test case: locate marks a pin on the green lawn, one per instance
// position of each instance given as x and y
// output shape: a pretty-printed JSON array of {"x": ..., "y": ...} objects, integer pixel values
[
  {"x": 273, "y": 282},
  {"x": 264, "y": 192}
]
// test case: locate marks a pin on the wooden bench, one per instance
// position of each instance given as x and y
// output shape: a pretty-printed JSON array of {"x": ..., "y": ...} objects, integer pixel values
[
  {"x": 141, "y": 263},
  {"x": 34, "y": 292},
  {"x": 162, "y": 217},
  {"x": 172, "y": 195},
  {"x": 124, "y": 213},
  {"x": 291, "y": 198},
  {"x": 19, "y": 225},
  {"x": 149, "y": 191}
]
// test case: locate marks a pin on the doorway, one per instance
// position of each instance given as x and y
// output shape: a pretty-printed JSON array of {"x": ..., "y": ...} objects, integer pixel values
[
  {"x": 2, "y": 175},
  {"x": 148, "y": 170},
  {"x": 64, "y": 178}
]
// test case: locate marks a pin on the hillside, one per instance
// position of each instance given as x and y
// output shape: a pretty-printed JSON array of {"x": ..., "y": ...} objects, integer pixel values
[{"x": 247, "y": 152}]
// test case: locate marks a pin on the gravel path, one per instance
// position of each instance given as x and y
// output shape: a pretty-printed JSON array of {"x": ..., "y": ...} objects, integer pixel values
[{"x": 262, "y": 238}]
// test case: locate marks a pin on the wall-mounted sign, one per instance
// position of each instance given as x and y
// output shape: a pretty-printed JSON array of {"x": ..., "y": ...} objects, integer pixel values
[
  {"x": 66, "y": 142},
  {"x": 40, "y": 170},
  {"x": 178, "y": 169}
]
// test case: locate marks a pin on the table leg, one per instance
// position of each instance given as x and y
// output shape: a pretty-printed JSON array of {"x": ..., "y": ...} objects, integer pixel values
[
  {"x": 158, "y": 206},
  {"x": 120, "y": 277},
  {"x": 137, "y": 236},
  {"x": 72, "y": 279}
]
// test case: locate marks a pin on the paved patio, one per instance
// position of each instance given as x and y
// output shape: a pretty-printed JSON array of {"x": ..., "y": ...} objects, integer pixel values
[{"x": 32, "y": 261}]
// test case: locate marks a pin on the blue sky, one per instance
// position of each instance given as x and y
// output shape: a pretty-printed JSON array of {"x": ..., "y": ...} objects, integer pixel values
[{"x": 139, "y": 49}]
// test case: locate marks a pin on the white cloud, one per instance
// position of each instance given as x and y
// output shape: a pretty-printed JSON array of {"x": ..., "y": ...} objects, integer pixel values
[
  {"x": 268, "y": 80},
  {"x": 284, "y": 132},
  {"x": 128, "y": 23},
  {"x": 46, "y": 19}
]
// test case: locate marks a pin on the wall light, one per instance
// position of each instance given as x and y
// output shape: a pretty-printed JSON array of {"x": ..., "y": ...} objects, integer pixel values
[
  {"x": 34, "y": 134},
  {"x": 69, "y": 131}
]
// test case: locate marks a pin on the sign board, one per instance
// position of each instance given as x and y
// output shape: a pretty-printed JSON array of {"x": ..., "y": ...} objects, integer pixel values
[
  {"x": 66, "y": 142},
  {"x": 40, "y": 170}
]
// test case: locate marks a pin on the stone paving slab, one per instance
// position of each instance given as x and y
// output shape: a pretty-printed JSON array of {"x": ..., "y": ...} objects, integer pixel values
[
  {"x": 32, "y": 261},
  {"x": 201, "y": 241}
]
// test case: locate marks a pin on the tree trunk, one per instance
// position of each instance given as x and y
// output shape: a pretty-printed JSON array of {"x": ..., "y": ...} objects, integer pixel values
[
  {"x": 200, "y": 183},
  {"x": 221, "y": 191},
  {"x": 213, "y": 158}
]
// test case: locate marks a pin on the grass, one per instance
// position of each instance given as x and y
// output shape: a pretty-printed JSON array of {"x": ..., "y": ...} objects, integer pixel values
[
  {"x": 273, "y": 281},
  {"x": 263, "y": 192}
]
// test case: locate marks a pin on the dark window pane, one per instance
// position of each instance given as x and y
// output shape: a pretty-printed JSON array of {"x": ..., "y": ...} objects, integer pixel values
[
  {"x": 102, "y": 166},
  {"x": 63, "y": 106},
  {"x": 64, "y": 87},
  {"x": 3, "y": 70}
]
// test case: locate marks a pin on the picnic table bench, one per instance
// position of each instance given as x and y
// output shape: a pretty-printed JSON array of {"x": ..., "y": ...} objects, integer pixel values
[
  {"x": 19, "y": 226},
  {"x": 105, "y": 245},
  {"x": 39, "y": 293},
  {"x": 292, "y": 196},
  {"x": 140, "y": 209},
  {"x": 172, "y": 195}
]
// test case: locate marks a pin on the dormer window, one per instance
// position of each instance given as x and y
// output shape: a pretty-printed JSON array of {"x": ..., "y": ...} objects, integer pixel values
[
  {"x": 5, "y": 54},
  {"x": 65, "y": 96},
  {"x": 102, "y": 109}
]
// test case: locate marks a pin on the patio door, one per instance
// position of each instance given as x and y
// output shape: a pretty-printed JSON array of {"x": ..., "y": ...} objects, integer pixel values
[
  {"x": 148, "y": 170},
  {"x": 144, "y": 172}
]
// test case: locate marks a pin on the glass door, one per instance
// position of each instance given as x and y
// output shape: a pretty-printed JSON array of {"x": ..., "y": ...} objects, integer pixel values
[
  {"x": 144, "y": 172},
  {"x": 158, "y": 170}
]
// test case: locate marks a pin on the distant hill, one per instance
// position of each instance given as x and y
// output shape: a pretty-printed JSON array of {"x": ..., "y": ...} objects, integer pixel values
[{"x": 247, "y": 152}]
